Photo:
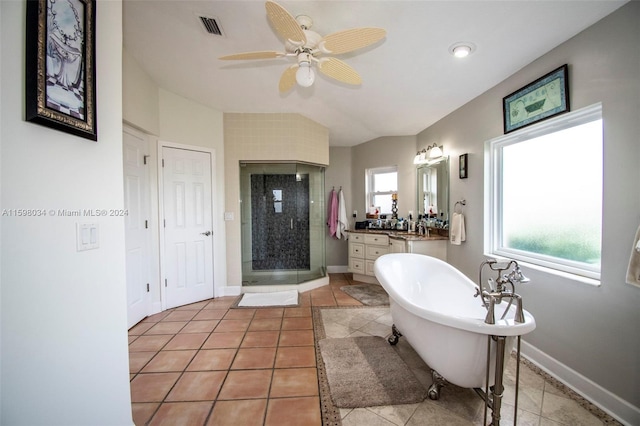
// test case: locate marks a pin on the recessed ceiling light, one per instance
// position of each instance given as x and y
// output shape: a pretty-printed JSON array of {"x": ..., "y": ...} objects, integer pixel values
[{"x": 462, "y": 49}]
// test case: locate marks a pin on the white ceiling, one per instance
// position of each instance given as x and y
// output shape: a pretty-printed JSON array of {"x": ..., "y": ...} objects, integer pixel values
[{"x": 410, "y": 80}]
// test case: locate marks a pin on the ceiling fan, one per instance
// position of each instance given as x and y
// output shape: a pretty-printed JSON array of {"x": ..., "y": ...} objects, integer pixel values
[{"x": 308, "y": 47}]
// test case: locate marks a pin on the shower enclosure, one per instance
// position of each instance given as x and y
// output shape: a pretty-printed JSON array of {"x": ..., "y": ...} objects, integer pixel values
[{"x": 283, "y": 223}]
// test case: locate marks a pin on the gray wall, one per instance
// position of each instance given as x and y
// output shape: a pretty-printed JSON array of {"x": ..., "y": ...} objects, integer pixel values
[
  {"x": 385, "y": 151},
  {"x": 593, "y": 330},
  {"x": 337, "y": 175}
]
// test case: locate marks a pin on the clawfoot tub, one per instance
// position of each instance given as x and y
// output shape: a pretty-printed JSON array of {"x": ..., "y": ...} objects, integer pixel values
[{"x": 433, "y": 305}]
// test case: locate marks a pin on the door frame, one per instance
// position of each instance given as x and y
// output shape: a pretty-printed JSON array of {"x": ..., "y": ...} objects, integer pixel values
[
  {"x": 218, "y": 234},
  {"x": 154, "y": 248}
]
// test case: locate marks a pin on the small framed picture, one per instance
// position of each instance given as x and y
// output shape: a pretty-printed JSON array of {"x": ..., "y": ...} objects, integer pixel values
[
  {"x": 463, "y": 160},
  {"x": 544, "y": 98}
]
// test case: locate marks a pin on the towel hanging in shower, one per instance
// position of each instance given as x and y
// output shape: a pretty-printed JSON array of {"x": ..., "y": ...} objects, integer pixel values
[
  {"x": 332, "y": 214},
  {"x": 343, "y": 221}
]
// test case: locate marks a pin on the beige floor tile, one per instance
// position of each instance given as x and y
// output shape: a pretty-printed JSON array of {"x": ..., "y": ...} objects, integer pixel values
[
  {"x": 152, "y": 387},
  {"x": 260, "y": 339},
  {"x": 186, "y": 341},
  {"x": 296, "y": 338},
  {"x": 246, "y": 384},
  {"x": 226, "y": 326},
  {"x": 210, "y": 314},
  {"x": 197, "y": 386},
  {"x": 290, "y": 382},
  {"x": 253, "y": 358},
  {"x": 293, "y": 411},
  {"x": 186, "y": 315},
  {"x": 238, "y": 412},
  {"x": 267, "y": 324},
  {"x": 223, "y": 340},
  {"x": 296, "y": 356},
  {"x": 269, "y": 313},
  {"x": 169, "y": 327},
  {"x": 149, "y": 343},
  {"x": 297, "y": 323},
  {"x": 181, "y": 413},
  {"x": 142, "y": 412},
  {"x": 205, "y": 326},
  {"x": 212, "y": 359},
  {"x": 297, "y": 312},
  {"x": 137, "y": 360},
  {"x": 244, "y": 313},
  {"x": 165, "y": 361},
  {"x": 567, "y": 411}
]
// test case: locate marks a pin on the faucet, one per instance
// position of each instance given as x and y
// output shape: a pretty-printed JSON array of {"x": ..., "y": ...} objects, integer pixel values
[{"x": 509, "y": 273}]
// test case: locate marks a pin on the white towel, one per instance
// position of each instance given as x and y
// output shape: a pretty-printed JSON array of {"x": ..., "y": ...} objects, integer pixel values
[
  {"x": 633, "y": 270},
  {"x": 343, "y": 222},
  {"x": 456, "y": 230}
]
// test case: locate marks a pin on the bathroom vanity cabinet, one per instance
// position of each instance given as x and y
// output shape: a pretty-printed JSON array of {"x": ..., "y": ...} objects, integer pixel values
[{"x": 365, "y": 247}]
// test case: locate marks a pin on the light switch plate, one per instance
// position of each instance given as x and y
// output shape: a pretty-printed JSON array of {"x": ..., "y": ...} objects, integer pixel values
[
  {"x": 228, "y": 215},
  {"x": 87, "y": 236}
]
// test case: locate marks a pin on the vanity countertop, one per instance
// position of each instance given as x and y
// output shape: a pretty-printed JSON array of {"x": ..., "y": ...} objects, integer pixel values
[{"x": 400, "y": 235}]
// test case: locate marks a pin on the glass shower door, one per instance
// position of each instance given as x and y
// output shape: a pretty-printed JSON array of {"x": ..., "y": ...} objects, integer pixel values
[{"x": 276, "y": 224}]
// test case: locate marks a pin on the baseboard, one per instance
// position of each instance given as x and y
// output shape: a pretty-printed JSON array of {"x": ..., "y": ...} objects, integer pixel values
[
  {"x": 616, "y": 407},
  {"x": 235, "y": 290},
  {"x": 338, "y": 269}
]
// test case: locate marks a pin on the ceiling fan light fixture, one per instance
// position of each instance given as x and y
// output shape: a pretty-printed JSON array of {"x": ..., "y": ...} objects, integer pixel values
[
  {"x": 462, "y": 49},
  {"x": 305, "y": 76}
]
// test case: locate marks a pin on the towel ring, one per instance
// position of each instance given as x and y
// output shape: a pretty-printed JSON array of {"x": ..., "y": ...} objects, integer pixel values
[{"x": 462, "y": 203}]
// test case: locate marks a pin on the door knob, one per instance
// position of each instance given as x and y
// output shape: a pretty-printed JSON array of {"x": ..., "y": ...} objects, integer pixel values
[{"x": 206, "y": 233}]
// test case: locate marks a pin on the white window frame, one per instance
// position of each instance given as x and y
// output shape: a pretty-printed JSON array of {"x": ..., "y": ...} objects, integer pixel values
[
  {"x": 493, "y": 206},
  {"x": 370, "y": 184}
]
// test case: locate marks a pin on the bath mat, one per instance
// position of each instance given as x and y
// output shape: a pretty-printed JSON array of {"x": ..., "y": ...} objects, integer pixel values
[
  {"x": 366, "y": 371},
  {"x": 288, "y": 298},
  {"x": 367, "y": 294}
]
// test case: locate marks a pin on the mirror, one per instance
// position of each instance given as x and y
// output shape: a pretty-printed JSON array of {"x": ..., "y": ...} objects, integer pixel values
[{"x": 433, "y": 188}]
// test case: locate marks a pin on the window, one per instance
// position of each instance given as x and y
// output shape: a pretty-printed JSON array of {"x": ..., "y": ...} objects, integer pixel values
[
  {"x": 544, "y": 194},
  {"x": 381, "y": 183}
]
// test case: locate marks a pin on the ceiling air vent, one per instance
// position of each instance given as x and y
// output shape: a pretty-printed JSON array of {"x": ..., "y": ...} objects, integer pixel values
[{"x": 211, "y": 25}]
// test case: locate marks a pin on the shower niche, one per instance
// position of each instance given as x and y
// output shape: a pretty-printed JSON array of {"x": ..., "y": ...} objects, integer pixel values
[{"x": 282, "y": 210}]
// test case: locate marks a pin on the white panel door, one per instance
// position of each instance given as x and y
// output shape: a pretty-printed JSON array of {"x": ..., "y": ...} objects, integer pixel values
[
  {"x": 137, "y": 234},
  {"x": 188, "y": 237}
]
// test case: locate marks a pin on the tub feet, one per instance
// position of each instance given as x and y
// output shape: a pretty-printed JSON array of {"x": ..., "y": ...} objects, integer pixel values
[
  {"x": 438, "y": 383},
  {"x": 393, "y": 339}
]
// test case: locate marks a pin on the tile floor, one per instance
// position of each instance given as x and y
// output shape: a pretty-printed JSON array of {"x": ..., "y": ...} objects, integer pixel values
[{"x": 206, "y": 364}]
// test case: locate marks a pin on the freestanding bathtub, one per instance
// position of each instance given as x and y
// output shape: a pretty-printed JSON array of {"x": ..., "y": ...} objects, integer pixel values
[{"x": 433, "y": 305}]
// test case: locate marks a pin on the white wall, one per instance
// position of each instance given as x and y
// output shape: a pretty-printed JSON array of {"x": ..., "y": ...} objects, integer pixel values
[
  {"x": 591, "y": 331},
  {"x": 140, "y": 96},
  {"x": 63, "y": 314},
  {"x": 187, "y": 122}
]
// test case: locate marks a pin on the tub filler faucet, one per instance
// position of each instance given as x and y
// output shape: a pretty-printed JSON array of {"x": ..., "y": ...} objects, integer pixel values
[{"x": 508, "y": 274}]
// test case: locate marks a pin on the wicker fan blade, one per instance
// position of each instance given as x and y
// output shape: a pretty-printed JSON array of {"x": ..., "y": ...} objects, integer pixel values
[
  {"x": 267, "y": 54},
  {"x": 285, "y": 24},
  {"x": 338, "y": 70},
  {"x": 288, "y": 78},
  {"x": 350, "y": 40}
]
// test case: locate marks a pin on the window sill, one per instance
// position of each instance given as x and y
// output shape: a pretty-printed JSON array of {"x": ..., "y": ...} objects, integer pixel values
[{"x": 547, "y": 270}]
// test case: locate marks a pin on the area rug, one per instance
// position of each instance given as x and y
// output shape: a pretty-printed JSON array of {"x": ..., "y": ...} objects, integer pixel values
[
  {"x": 288, "y": 298},
  {"x": 367, "y": 294},
  {"x": 366, "y": 371}
]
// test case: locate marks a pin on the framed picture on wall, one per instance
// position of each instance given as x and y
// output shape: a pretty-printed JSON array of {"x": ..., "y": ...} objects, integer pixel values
[
  {"x": 463, "y": 160},
  {"x": 60, "y": 65},
  {"x": 544, "y": 98}
]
